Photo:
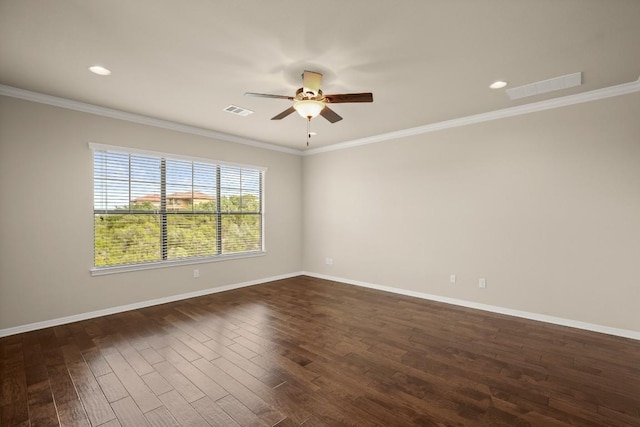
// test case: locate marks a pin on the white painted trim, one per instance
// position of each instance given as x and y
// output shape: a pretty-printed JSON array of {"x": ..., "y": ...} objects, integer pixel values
[
  {"x": 137, "y": 118},
  {"x": 469, "y": 304},
  {"x": 485, "y": 307},
  {"x": 137, "y": 305},
  {"x": 102, "y": 271},
  {"x": 594, "y": 95}
]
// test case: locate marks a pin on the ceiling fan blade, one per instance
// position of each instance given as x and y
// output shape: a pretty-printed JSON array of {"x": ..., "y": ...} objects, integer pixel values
[
  {"x": 311, "y": 81},
  {"x": 284, "y": 114},
  {"x": 330, "y": 115},
  {"x": 266, "y": 95},
  {"x": 349, "y": 97}
]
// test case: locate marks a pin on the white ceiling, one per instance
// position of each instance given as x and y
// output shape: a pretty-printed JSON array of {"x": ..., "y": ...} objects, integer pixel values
[{"x": 424, "y": 61}]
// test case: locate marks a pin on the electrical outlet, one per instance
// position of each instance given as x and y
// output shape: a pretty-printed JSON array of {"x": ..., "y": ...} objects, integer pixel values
[
  {"x": 452, "y": 278},
  {"x": 328, "y": 261},
  {"x": 482, "y": 283},
  {"x": 196, "y": 273}
]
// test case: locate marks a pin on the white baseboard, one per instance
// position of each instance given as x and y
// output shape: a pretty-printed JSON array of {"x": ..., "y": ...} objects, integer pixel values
[
  {"x": 113, "y": 310},
  {"x": 491, "y": 308}
]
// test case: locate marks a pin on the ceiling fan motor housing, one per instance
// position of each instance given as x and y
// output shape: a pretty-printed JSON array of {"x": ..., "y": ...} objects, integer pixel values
[{"x": 301, "y": 95}]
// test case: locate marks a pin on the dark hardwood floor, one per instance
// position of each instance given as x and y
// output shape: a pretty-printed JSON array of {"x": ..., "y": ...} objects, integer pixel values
[{"x": 310, "y": 352}]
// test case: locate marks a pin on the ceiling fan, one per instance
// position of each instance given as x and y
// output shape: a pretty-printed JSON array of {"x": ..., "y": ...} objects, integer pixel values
[{"x": 311, "y": 102}]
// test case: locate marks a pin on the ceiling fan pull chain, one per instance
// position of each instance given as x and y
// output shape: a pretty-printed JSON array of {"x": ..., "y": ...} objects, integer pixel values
[{"x": 308, "y": 129}]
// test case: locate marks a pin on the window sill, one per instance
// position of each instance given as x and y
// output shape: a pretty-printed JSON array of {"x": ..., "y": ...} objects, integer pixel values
[{"x": 101, "y": 271}]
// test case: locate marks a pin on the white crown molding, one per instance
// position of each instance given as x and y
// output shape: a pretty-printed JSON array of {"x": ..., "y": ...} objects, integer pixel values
[
  {"x": 119, "y": 309},
  {"x": 594, "y": 95},
  {"x": 137, "y": 118},
  {"x": 485, "y": 307}
]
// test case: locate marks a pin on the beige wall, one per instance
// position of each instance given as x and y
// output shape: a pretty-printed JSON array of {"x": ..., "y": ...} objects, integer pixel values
[
  {"x": 46, "y": 228},
  {"x": 545, "y": 206}
]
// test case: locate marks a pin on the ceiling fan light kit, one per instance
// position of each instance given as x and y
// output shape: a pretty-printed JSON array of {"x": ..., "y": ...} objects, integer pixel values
[{"x": 309, "y": 108}]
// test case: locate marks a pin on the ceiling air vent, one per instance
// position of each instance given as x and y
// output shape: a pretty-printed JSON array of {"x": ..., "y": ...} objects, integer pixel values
[
  {"x": 239, "y": 111},
  {"x": 544, "y": 86}
]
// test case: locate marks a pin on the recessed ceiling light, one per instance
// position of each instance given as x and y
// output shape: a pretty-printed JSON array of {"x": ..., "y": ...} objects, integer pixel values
[
  {"x": 498, "y": 84},
  {"x": 99, "y": 70}
]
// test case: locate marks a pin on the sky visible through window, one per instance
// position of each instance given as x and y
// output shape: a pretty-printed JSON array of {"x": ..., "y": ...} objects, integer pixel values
[{"x": 121, "y": 179}]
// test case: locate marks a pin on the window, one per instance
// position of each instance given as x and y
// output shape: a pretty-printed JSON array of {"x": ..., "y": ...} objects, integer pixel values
[{"x": 152, "y": 208}]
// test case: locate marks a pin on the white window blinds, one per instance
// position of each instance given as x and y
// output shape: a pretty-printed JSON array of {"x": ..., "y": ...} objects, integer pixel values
[{"x": 152, "y": 208}]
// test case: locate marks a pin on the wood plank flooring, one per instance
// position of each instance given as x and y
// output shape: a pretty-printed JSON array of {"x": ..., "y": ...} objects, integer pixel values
[{"x": 309, "y": 352}]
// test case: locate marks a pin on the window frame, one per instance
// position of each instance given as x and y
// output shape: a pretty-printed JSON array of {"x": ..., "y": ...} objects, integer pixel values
[{"x": 148, "y": 265}]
